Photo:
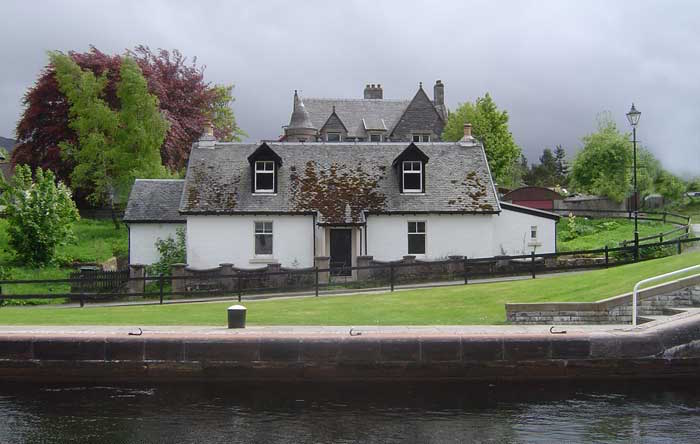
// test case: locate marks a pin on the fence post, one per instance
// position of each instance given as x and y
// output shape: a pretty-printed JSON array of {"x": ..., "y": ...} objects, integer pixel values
[
  {"x": 316, "y": 280},
  {"x": 661, "y": 238},
  {"x": 391, "y": 275},
  {"x": 160, "y": 284},
  {"x": 466, "y": 270},
  {"x": 239, "y": 286},
  {"x": 82, "y": 300},
  {"x": 532, "y": 256},
  {"x": 679, "y": 246},
  {"x": 664, "y": 218},
  {"x": 607, "y": 259}
]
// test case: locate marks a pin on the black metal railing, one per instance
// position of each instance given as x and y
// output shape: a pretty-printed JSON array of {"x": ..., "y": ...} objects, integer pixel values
[{"x": 103, "y": 286}]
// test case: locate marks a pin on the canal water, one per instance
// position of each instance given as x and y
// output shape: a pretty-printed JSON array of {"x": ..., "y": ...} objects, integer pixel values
[{"x": 653, "y": 412}]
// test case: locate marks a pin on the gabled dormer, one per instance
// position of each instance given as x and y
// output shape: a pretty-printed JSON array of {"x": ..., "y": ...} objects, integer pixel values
[
  {"x": 334, "y": 130},
  {"x": 410, "y": 166},
  {"x": 264, "y": 167}
]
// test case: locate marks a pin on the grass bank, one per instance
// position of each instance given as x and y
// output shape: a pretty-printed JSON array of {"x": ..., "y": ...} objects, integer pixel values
[
  {"x": 94, "y": 242},
  {"x": 597, "y": 233},
  {"x": 470, "y": 304}
]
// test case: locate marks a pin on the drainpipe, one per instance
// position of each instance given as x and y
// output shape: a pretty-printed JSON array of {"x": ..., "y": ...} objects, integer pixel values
[{"x": 313, "y": 229}]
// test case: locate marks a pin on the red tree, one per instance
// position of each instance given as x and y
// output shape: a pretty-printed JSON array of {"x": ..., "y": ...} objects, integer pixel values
[{"x": 185, "y": 99}]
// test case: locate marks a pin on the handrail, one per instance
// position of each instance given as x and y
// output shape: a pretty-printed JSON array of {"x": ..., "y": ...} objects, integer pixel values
[{"x": 652, "y": 279}]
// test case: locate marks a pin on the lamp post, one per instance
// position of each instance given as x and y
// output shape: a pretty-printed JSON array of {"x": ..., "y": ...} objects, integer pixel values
[{"x": 633, "y": 118}]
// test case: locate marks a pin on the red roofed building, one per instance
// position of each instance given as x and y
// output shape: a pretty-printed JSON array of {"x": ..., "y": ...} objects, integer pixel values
[{"x": 533, "y": 197}]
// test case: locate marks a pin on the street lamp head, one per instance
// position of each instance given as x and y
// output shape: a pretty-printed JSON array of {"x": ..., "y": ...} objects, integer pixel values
[{"x": 633, "y": 116}]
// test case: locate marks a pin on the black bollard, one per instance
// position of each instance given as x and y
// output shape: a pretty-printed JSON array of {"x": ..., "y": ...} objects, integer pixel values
[{"x": 236, "y": 316}]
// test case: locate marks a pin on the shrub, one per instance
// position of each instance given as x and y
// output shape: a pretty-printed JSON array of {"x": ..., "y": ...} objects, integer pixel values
[
  {"x": 172, "y": 251},
  {"x": 40, "y": 212}
]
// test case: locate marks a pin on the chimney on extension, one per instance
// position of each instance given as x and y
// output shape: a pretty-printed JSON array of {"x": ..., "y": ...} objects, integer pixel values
[
  {"x": 374, "y": 91},
  {"x": 467, "y": 133}
]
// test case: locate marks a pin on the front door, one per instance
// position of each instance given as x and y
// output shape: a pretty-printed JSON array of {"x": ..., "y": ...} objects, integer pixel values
[{"x": 341, "y": 252}]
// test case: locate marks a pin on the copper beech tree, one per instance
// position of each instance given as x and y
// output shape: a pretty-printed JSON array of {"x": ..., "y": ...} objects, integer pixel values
[{"x": 185, "y": 99}]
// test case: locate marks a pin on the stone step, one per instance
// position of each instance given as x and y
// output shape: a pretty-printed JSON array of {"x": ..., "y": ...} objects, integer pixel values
[{"x": 651, "y": 318}]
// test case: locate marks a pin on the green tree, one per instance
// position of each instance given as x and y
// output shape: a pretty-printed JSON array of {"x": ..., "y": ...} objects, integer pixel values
[
  {"x": 490, "y": 126},
  {"x": 221, "y": 115},
  {"x": 562, "y": 166},
  {"x": 113, "y": 146},
  {"x": 603, "y": 166},
  {"x": 40, "y": 213}
]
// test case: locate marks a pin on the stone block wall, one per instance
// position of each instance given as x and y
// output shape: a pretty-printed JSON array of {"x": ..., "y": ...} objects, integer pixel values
[{"x": 653, "y": 301}]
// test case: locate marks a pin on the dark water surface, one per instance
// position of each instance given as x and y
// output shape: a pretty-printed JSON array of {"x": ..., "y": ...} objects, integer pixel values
[{"x": 367, "y": 413}]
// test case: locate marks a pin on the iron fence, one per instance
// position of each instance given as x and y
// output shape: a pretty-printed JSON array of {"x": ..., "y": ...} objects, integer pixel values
[{"x": 249, "y": 284}]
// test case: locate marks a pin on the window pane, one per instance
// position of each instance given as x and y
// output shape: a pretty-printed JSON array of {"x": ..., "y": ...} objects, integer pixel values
[
  {"x": 333, "y": 137},
  {"x": 411, "y": 181},
  {"x": 416, "y": 244},
  {"x": 264, "y": 181},
  {"x": 416, "y": 138},
  {"x": 426, "y": 137},
  {"x": 375, "y": 138},
  {"x": 411, "y": 227},
  {"x": 420, "y": 227},
  {"x": 263, "y": 244},
  {"x": 259, "y": 227}
]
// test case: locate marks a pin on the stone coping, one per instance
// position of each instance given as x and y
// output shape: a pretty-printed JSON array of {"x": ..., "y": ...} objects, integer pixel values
[{"x": 605, "y": 305}]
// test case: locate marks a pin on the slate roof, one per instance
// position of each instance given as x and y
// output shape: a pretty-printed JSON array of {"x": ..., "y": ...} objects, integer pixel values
[
  {"x": 154, "y": 200},
  {"x": 339, "y": 181},
  {"x": 375, "y": 112}
]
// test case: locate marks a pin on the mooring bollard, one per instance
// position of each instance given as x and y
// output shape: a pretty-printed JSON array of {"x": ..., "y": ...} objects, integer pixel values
[{"x": 236, "y": 316}]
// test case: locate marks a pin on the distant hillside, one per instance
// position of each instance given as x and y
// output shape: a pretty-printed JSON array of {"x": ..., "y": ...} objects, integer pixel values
[{"x": 8, "y": 144}]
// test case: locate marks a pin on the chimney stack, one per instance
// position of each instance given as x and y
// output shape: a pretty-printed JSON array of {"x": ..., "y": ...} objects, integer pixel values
[
  {"x": 439, "y": 93},
  {"x": 373, "y": 91},
  {"x": 207, "y": 139},
  {"x": 468, "y": 138}
]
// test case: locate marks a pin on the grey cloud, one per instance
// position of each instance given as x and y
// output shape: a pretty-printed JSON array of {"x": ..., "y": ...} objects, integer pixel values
[{"x": 553, "y": 65}]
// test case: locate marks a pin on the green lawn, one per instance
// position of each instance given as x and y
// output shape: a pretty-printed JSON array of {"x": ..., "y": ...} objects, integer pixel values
[
  {"x": 602, "y": 232},
  {"x": 470, "y": 304},
  {"x": 94, "y": 243}
]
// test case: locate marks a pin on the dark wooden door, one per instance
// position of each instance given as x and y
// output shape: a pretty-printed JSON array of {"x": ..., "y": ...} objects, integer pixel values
[{"x": 341, "y": 252}]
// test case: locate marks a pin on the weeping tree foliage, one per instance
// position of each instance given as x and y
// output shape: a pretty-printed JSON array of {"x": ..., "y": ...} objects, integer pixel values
[
  {"x": 490, "y": 126},
  {"x": 113, "y": 146},
  {"x": 40, "y": 212}
]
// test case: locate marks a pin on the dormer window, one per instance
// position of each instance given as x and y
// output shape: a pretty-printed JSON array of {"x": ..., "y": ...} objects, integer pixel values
[
  {"x": 264, "y": 176},
  {"x": 421, "y": 137},
  {"x": 412, "y": 176},
  {"x": 375, "y": 137},
  {"x": 410, "y": 169},
  {"x": 333, "y": 137},
  {"x": 264, "y": 166}
]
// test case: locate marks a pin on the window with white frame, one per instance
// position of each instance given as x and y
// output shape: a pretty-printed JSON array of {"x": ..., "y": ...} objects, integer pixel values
[
  {"x": 421, "y": 137},
  {"x": 263, "y": 238},
  {"x": 333, "y": 137},
  {"x": 264, "y": 176},
  {"x": 375, "y": 137},
  {"x": 533, "y": 232},
  {"x": 416, "y": 238},
  {"x": 412, "y": 176}
]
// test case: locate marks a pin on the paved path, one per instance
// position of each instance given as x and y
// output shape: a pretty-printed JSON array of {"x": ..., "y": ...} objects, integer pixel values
[{"x": 306, "y": 331}]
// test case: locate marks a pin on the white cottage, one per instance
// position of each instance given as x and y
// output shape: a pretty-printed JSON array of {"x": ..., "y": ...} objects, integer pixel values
[{"x": 296, "y": 203}]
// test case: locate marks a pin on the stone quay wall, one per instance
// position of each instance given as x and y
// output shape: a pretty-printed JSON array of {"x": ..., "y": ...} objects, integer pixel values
[
  {"x": 652, "y": 301},
  {"x": 671, "y": 350}
]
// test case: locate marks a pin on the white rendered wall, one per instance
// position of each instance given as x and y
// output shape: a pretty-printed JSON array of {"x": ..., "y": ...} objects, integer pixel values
[
  {"x": 142, "y": 241},
  {"x": 446, "y": 235},
  {"x": 512, "y": 233},
  {"x": 214, "y": 240}
]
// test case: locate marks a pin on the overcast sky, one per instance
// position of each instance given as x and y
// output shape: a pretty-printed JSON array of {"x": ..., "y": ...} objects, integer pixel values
[{"x": 553, "y": 65}]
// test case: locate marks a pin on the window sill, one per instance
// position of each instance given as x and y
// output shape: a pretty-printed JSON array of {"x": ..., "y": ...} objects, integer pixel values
[
  {"x": 412, "y": 193},
  {"x": 262, "y": 193},
  {"x": 263, "y": 260},
  {"x": 534, "y": 244}
]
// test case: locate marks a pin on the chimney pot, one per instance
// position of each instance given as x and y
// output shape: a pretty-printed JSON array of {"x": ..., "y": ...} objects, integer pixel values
[
  {"x": 467, "y": 130},
  {"x": 373, "y": 91}
]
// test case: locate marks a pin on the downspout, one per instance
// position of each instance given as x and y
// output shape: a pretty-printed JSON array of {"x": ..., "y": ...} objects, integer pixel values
[
  {"x": 128, "y": 231},
  {"x": 313, "y": 229},
  {"x": 366, "y": 235}
]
